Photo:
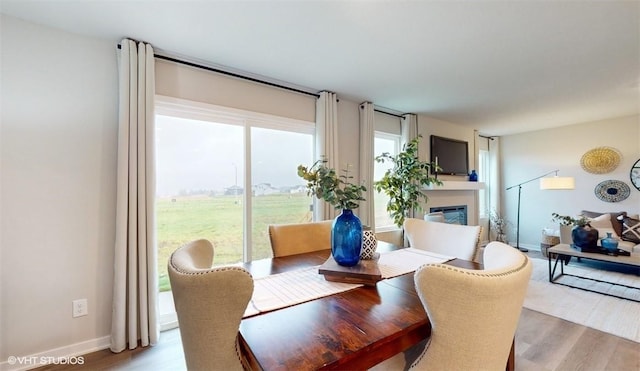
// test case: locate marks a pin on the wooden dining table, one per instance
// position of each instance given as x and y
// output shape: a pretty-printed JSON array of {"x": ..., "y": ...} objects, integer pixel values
[{"x": 351, "y": 330}]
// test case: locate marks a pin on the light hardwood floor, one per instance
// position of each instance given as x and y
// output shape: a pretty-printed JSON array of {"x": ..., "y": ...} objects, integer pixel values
[{"x": 542, "y": 343}]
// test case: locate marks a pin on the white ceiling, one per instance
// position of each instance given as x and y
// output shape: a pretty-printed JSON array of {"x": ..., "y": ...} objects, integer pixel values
[{"x": 499, "y": 67}]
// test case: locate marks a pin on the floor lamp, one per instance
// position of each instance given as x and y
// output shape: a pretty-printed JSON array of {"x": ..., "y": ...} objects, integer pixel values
[{"x": 555, "y": 183}]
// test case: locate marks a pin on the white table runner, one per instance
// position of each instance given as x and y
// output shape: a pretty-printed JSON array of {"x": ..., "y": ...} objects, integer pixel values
[
  {"x": 289, "y": 288},
  {"x": 301, "y": 285}
]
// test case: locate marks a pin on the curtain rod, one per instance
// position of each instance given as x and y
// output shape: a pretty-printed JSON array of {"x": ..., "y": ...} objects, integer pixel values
[
  {"x": 490, "y": 138},
  {"x": 388, "y": 113},
  {"x": 253, "y": 79},
  {"x": 232, "y": 74}
]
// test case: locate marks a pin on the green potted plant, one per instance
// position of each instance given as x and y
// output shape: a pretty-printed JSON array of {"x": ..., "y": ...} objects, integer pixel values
[
  {"x": 576, "y": 231},
  {"x": 569, "y": 221},
  {"x": 324, "y": 183},
  {"x": 404, "y": 181},
  {"x": 339, "y": 191}
]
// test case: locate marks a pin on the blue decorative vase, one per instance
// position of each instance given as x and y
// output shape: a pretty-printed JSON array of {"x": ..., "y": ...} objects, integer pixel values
[
  {"x": 609, "y": 243},
  {"x": 473, "y": 177},
  {"x": 346, "y": 238},
  {"x": 585, "y": 237}
]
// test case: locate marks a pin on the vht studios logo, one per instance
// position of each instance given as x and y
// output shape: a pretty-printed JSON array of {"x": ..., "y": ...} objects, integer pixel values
[{"x": 34, "y": 360}]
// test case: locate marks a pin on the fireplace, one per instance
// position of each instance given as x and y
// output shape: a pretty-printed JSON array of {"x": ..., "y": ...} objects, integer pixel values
[{"x": 452, "y": 214}]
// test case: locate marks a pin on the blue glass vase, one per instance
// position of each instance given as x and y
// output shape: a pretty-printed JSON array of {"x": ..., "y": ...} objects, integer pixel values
[
  {"x": 609, "y": 243},
  {"x": 346, "y": 238}
]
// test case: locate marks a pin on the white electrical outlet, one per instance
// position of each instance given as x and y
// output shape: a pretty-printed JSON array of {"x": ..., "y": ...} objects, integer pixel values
[{"x": 80, "y": 308}]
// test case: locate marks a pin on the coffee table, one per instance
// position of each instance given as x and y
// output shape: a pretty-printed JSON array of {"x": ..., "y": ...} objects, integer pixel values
[{"x": 558, "y": 253}]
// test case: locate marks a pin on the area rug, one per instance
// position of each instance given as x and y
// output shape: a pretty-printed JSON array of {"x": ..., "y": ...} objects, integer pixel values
[{"x": 605, "y": 313}]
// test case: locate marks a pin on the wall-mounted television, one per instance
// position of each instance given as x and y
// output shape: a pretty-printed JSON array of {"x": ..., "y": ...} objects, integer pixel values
[{"x": 451, "y": 155}]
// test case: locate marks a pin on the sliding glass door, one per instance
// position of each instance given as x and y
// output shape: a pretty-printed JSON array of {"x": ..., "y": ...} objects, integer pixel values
[{"x": 224, "y": 175}]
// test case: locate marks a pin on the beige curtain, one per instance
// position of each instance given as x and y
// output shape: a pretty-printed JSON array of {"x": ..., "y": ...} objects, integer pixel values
[
  {"x": 408, "y": 132},
  {"x": 366, "y": 211},
  {"x": 135, "y": 286},
  {"x": 408, "y": 128},
  {"x": 326, "y": 144},
  {"x": 493, "y": 183}
]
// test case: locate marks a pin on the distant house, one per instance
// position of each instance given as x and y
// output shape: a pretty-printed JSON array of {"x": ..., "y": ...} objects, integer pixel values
[
  {"x": 264, "y": 189},
  {"x": 298, "y": 189},
  {"x": 233, "y": 190}
]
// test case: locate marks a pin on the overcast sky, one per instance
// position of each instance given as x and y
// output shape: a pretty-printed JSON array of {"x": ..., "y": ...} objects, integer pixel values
[{"x": 194, "y": 155}]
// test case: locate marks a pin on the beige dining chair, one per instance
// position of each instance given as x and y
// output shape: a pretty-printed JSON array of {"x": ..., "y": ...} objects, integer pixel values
[
  {"x": 298, "y": 238},
  {"x": 210, "y": 303},
  {"x": 474, "y": 313},
  {"x": 460, "y": 241}
]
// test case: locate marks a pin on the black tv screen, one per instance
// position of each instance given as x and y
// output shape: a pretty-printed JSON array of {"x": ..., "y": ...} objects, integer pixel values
[{"x": 451, "y": 155}]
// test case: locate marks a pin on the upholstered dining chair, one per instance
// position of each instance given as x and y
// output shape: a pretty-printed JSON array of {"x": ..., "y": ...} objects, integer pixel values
[
  {"x": 474, "y": 313},
  {"x": 298, "y": 238},
  {"x": 460, "y": 241},
  {"x": 210, "y": 303}
]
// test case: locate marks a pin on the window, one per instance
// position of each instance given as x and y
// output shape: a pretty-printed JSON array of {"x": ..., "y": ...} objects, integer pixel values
[
  {"x": 224, "y": 175},
  {"x": 383, "y": 142}
]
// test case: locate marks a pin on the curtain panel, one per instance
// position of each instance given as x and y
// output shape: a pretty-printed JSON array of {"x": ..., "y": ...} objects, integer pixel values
[
  {"x": 135, "y": 287},
  {"x": 326, "y": 144},
  {"x": 494, "y": 179},
  {"x": 367, "y": 135},
  {"x": 408, "y": 128},
  {"x": 408, "y": 132}
]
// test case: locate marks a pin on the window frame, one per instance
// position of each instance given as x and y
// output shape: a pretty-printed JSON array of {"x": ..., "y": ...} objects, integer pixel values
[
  {"x": 182, "y": 108},
  {"x": 483, "y": 176},
  {"x": 396, "y": 138}
]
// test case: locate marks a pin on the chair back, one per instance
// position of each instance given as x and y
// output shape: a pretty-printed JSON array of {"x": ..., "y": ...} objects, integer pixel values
[
  {"x": 456, "y": 240},
  {"x": 474, "y": 313},
  {"x": 210, "y": 303},
  {"x": 290, "y": 239}
]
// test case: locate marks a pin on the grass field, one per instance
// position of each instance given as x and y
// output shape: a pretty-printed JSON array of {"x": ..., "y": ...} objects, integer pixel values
[{"x": 219, "y": 219}]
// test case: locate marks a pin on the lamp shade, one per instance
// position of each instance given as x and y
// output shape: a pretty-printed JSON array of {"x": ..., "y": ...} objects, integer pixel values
[{"x": 558, "y": 182}]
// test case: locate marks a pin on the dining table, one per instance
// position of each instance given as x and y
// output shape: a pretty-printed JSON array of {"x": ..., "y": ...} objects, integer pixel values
[{"x": 350, "y": 330}]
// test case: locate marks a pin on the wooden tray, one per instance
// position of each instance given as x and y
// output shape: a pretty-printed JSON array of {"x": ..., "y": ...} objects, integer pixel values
[{"x": 365, "y": 272}]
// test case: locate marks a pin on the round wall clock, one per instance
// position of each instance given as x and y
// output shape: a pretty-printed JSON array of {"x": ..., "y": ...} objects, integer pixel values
[
  {"x": 634, "y": 174},
  {"x": 612, "y": 191}
]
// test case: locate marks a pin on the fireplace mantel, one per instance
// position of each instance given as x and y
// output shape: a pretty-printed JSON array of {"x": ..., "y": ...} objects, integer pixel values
[{"x": 452, "y": 185}]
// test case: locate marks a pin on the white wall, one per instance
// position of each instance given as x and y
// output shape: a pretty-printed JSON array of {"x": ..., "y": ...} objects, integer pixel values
[
  {"x": 58, "y": 149},
  {"x": 199, "y": 85},
  {"x": 526, "y": 156}
]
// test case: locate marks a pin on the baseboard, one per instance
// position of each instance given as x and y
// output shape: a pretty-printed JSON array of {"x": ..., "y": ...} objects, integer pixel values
[
  {"x": 69, "y": 355},
  {"x": 168, "y": 321},
  {"x": 526, "y": 246},
  {"x": 531, "y": 247}
]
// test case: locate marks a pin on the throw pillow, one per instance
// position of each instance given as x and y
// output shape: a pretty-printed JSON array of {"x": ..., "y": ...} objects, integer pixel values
[
  {"x": 631, "y": 229},
  {"x": 603, "y": 224},
  {"x": 617, "y": 226}
]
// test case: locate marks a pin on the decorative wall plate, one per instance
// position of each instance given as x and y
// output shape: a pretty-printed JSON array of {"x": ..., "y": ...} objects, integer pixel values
[
  {"x": 634, "y": 174},
  {"x": 600, "y": 160},
  {"x": 612, "y": 191}
]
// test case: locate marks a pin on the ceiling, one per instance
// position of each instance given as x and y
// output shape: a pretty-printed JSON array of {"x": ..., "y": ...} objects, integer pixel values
[{"x": 498, "y": 67}]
